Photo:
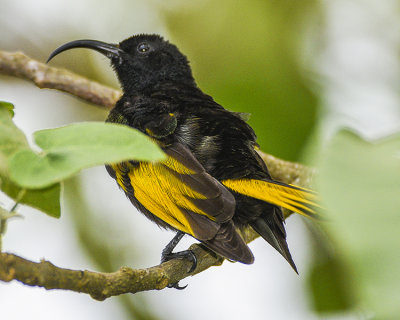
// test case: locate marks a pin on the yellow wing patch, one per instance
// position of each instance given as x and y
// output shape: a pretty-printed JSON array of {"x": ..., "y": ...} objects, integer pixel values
[
  {"x": 161, "y": 192},
  {"x": 176, "y": 166},
  {"x": 290, "y": 197}
]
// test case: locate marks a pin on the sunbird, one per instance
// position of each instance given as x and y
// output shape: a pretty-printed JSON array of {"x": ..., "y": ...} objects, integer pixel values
[{"x": 212, "y": 182}]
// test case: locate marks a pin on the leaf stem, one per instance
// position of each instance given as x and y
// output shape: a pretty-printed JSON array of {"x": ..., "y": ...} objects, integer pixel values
[{"x": 7, "y": 214}]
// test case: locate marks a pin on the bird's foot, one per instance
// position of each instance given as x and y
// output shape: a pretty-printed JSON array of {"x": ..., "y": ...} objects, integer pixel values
[
  {"x": 167, "y": 255},
  {"x": 186, "y": 254}
]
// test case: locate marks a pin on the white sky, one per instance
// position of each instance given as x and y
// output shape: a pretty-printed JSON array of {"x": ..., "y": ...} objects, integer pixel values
[{"x": 361, "y": 63}]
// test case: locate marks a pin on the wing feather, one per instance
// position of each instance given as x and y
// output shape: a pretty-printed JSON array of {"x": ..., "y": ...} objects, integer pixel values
[
  {"x": 230, "y": 244},
  {"x": 181, "y": 193},
  {"x": 215, "y": 200},
  {"x": 294, "y": 198}
]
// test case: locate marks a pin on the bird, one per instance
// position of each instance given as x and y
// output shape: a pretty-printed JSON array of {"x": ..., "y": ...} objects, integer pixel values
[{"x": 213, "y": 182}]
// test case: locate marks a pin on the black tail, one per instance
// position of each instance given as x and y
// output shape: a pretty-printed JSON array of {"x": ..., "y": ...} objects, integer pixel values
[
  {"x": 229, "y": 244},
  {"x": 271, "y": 228}
]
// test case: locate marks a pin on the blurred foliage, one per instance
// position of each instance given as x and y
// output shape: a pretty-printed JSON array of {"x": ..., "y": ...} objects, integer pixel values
[
  {"x": 329, "y": 278},
  {"x": 360, "y": 185},
  {"x": 9, "y": 106},
  {"x": 247, "y": 56}
]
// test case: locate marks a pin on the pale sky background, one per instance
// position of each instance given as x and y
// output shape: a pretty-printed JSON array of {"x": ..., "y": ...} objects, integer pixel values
[{"x": 360, "y": 62}]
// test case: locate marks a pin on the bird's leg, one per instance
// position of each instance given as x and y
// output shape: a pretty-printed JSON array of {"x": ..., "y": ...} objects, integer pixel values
[{"x": 167, "y": 255}]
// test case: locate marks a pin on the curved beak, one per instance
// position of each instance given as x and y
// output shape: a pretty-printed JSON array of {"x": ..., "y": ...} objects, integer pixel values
[{"x": 109, "y": 50}]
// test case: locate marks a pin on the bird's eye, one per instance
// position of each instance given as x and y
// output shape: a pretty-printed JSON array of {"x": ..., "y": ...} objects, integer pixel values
[{"x": 143, "y": 47}]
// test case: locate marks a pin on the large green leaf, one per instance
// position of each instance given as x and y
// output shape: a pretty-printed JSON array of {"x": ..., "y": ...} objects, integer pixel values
[
  {"x": 69, "y": 149},
  {"x": 360, "y": 185},
  {"x": 13, "y": 140}
]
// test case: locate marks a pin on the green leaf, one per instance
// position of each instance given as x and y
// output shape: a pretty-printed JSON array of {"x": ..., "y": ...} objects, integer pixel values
[
  {"x": 69, "y": 149},
  {"x": 9, "y": 106},
  {"x": 360, "y": 185},
  {"x": 13, "y": 140},
  {"x": 46, "y": 200}
]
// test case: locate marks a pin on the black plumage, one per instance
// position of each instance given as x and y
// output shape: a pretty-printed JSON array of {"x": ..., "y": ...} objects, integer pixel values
[{"x": 214, "y": 182}]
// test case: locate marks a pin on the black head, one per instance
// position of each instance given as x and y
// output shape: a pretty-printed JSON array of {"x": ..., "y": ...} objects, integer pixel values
[{"x": 141, "y": 62}]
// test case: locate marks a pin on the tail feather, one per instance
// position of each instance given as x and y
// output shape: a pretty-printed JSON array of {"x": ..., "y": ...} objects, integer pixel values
[
  {"x": 300, "y": 200},
  {"x": 229, "y": 244},
  {"x": 268, "y": 223},
  {"x": 271, "y": 232}
]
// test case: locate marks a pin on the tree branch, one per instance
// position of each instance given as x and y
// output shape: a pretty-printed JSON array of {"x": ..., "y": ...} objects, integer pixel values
[
  {"x": 21, "y": 66},
  {"x": 102, "y": 285},
  {"x": 126, "y": 280}
]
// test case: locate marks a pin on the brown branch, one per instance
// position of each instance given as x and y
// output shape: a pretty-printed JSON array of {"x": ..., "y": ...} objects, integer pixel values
[
  {"x": 102, "y": 285},
  {"x": 126, "y": 280},
  {"x": 21, "y": 66}
]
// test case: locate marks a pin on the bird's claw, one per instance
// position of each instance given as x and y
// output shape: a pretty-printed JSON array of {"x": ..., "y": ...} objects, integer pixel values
[
  {"x": 176, "y": 286},
  {"x": 167, "y": 255},
  {"x": 187, "y": 254}
]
